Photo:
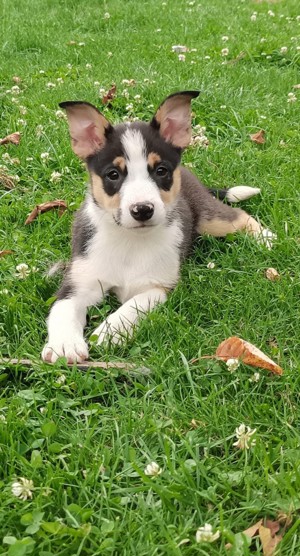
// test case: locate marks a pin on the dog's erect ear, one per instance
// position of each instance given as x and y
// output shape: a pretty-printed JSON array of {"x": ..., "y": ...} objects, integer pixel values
[
  {"x": 88, "y": 127},
  {"x": 173, "y": 118}
]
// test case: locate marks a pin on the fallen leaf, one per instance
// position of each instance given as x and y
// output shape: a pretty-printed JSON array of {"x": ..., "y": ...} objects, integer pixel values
[
  {"x": 250, "y": 532},
  {"x": 258, "y": 137},
  {"x": 8, "y": 182},
  {"x": 274, "y": 526},
  {"x": 12, "y": 138},
  {"x": 272, "y": 274},
  {"x": 239, "y": 57},
  {"x": 236, "y": 348},
  {"x": 110, "y": 95},
  {"x": 16, "y": 79},
  {"x": 268, "y": 541},
  {"x": 44, "y": 207},
  {"x": 5, "y": 252},
  {"x": 296, "y": 86}
]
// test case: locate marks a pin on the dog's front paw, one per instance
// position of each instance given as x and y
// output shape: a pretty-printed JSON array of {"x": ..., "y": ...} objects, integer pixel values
[
  {"x": 74, "y": 349},
  {"x": 112, "y": 330}
]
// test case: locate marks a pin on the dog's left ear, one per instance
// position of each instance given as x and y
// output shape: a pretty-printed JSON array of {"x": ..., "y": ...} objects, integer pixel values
[
  {"x": 173, "y": 118},
  {"x": 88, "y": 127}
]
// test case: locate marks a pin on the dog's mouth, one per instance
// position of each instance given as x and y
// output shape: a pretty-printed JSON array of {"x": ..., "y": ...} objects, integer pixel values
[{"x": 139, "y": 226}]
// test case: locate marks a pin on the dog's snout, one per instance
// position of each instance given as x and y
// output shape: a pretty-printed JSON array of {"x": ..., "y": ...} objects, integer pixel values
[{"x": 142, "y": 211}]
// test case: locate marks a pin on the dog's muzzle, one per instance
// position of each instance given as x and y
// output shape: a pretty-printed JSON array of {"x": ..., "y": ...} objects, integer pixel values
[{"x": 142, "y": 211}]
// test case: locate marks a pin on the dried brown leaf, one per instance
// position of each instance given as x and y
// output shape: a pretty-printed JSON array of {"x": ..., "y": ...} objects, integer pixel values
[
  {"x": 14, "y": 138},
  {"x": 236, "y": 348},
  {"x": 258, "y": 137},
  {"x": 44, "y": 207},
  {"x": 16, "y": 79},
  {"x": 8, "y": 182},
  {"x": 250, "y": 532},
  {"x": 5, "y": 252},
  {"x": 268, "y": 541},
  {"x": 110, "y": 95},
  {"x": 272, "y": 274},
  {"x": 296, "y": 86}
]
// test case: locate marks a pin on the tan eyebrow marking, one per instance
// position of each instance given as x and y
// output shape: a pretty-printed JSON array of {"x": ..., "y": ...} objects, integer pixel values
[
  {"x": 152, "y": 159},
  {"x": 170, "y": 196},
  {"x": 108, "y": 202},
  {"x": 120, "y": 161}
]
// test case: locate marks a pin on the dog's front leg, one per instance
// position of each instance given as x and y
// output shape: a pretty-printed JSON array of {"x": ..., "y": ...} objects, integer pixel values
[{"x": 122, "y": 322}]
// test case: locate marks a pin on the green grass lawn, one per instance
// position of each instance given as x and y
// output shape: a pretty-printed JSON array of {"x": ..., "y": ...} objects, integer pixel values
[{"x": 85, "y": 438}]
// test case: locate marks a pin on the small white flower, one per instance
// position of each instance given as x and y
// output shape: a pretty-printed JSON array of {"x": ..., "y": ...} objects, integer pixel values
[
  {"x": 292, "y": 97},
  {"x": 263, "y": 39},
  {"x": 22, "y": 271},
  {"x": 22, "y": 488},
  {"x": 39, "y": 130},
  {"x": 60, "y": 114},
  {"x": 137, "y": 97},
  {"x": 244, "y": 437},
  {"x": 50, "y": 85},
  {"x": 255, "y": 377},
  {"x": 201, "y": 140},
  {"x": 4, "y": 291},
  {"x": 81, "y": 44},
  {"x": 23, "y": 110},
  {"x": 69, "y": 66},
  {"x": 271, "y": 14},
  {"x": 88, "y": 66},
  {"x": 206, "y": 57},
  {"x": 158, "y": 30},
  {"x": 61, "y": 379},
  {"x": 225, "y": 38},
  {"x": 129, "y": 107},
  {"x": 55, "y": 177},
  {"x": 179, "y": 48},
  {"x": 2, "y": 418},
  {"x": 205, "y": 534},
  {"x": 6, "y": 157},
  {"x": 15, "y": 90},
  {"x": 106, "y": 15},
  {"x": 297, "y": 47},
  {"x": 43, "y": 410},
  {"x": 253, "y": 17},
  {"x": 125, "y": 93},
  {"x": 59, "y": 80},
  {"x": 211, "y": 265},
  {"x": 232, "y": 364},
  {"x": 283, "y": 49},
  {"x": 181, "y": 57},
  {"x": 153, "y": 469},
  {"x": 146, "y": 80},
  {"x": 41, "y": 72},
  {"x": 225, "y": 51},
  {"x": 109, "y": 54},
  {"x": 45, "y": 156},
  {"x": 96, "y": 83},
  {"x": 21, "y": 122},
  {"x": 102, "y": 91},
  {"x": 298, "y": 18},
  {"x": 223, "y": 106}
]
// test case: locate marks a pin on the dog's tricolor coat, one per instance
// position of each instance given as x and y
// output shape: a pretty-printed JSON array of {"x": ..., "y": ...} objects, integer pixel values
[{"x": 136, "y": 224}]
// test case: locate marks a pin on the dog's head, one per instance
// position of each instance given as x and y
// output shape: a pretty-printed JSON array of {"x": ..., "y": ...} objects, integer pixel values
[{"x": 134, "y": 167}]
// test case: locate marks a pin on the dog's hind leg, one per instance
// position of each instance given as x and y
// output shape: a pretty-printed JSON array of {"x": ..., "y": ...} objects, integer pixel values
[{"x": 122, "y": 322}]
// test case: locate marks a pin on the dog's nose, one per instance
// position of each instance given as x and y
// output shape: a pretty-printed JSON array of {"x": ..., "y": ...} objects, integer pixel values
[{"x": 142, "y": 211}]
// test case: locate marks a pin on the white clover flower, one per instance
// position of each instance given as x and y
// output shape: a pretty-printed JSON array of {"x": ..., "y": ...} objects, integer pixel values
[
  {"x": 255, "y": 377},
  {"x": 206, "y": 57},
  {"x": 225, "y": 38},
  {"x": 205, "y": 534},
  {"x": 59, "y": 80},
  {"x": 45, "y": 156},
  {"x": 297, "y": 47},
  {"x": 181, "y": 57},
  {"x": 225, "y": 51},
  {"x": 23, "y": 488},
  {"x": 39, "y": 130},
  {"x": 88, "y": 66},
  {"x": 152, "y": 469},
  {"x": 60, "y": 114},
  {"x": 50, "y": 85},
  {"x": 69, "y": 66},
  {"x": 232, "y": 364},
  {"x": 81, "y": 44},
  {"x": 109, "y": 54},
  {"x": 253, "y": 17},
  {"x": 6, "y": 157},
  {"x": 283, "y": 49},
  {"x": 125, "y": 93},
  {"x": 55, "y": 177},
  {"x": 4, "y": 291},
  {"x": 43, "y": 410},
  {"x": 23, "y": 271},
  {"x": 41, "y": 72},
  {"x": 29, "y": 158},
  {"x": 15, "y": 90},
  {"x": 2, "y": 418},
  {"x": 129, "y": 107},
  {"x": 102, "y": 91},
  {"x": 244, "y": 437},
  {"x": 179, "y": 48},
  {"x": 292, "y": 97},
  {"x": 96, "y": 83},
  {"x": 263, "y": 39},
  {"x": 23, "y": 110},
  {"x": 106, "y": 15},
  {"x": 271, "y": 14},
  {"x": 211, "y": 265},
  {"x": 298, "y": 18},
  {"x": 201, "y": 140},
  {"x": 21, "y": 122},
  {"x": 137, "y": 97},
  {"x": 61, "y": 379},
  {"x": 223, "y": 106}
]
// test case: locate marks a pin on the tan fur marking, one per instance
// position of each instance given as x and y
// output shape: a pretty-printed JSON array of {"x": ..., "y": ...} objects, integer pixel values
[
  {"x": 170, "y": 196},
  {"x": 120, "y": 162},
  {"x": 218, "y": 227},
  {"x": 152, "y": 159},
  {"x": 103, "y": 200}
]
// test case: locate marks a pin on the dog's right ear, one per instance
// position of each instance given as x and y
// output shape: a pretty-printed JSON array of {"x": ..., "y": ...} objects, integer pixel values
[{"x": 88, "y": 128}]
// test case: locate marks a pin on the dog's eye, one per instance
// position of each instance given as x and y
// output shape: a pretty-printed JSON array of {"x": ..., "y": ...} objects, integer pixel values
[
  {"x": 113, "y": 175},
  {"x": 162, "y": 171}
]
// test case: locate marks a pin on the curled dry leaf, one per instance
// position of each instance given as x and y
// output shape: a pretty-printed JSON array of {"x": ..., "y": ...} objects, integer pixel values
[
  {"x": 14, "y": 138},
  {"x": 250, "y": 532},
  {"x": 110, "y": 95},
  {"x": 258, "y": 137},
  {"x": 272, "y": 274},
  {"x": 44, "y": 207},
  {"x": 236, "y": 348},
  {"x": 8, "y": 182},
  {"x": 5, "y": 252},
  {"x": 268, "y": 541}
]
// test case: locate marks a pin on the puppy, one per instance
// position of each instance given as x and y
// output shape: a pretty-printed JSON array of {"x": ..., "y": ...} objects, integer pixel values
[{"x": 137, "y": 223}]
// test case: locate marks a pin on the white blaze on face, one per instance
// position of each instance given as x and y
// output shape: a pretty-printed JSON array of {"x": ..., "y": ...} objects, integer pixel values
[{"x": 138, "y": 187}]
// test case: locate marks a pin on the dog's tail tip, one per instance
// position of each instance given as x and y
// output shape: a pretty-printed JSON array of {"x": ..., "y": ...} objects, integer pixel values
[{"x": 241, "y": 193}]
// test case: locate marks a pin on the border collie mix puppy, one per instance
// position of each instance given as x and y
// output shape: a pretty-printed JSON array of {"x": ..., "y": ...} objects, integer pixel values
[{"x": 136, "y": 224}]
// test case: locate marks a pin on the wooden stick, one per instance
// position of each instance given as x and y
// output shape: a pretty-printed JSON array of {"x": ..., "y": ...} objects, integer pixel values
[{"x": 84, "y": 365}]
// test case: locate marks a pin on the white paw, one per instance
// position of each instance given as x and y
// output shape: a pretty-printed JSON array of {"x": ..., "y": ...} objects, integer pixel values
[
  {"x": 112, "y": 330},
  {"x": 266, "y": 238},
  {"x": 73, "y": 348}
]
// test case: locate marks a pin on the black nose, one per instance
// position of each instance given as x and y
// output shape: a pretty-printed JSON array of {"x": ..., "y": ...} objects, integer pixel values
[{"x": 142, "y": 211}]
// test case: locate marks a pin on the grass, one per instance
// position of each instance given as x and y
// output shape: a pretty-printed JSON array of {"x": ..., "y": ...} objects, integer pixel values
[{"x": 84, "y": 439}]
